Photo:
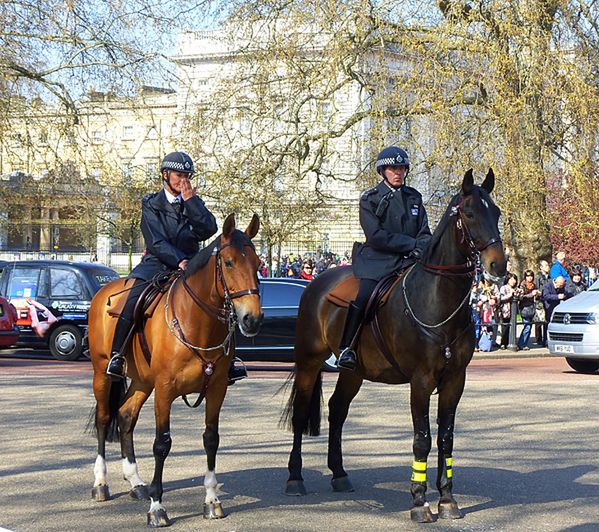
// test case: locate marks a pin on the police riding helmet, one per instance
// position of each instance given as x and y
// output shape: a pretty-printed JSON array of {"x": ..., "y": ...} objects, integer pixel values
[
  {"x": 392, "y": 156},
  {"x": 177, "y": 161}
]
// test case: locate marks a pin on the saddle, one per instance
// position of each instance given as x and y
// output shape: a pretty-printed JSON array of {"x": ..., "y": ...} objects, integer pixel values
[{"x": 347, "y": 291}]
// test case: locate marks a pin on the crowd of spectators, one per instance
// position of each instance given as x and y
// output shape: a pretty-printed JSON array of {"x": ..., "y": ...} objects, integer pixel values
[
  {"x": 536, "y": 296},
  {"x": 306, "y": 266}
]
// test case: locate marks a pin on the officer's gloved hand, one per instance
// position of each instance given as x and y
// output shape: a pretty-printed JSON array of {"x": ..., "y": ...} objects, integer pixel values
[{"x": 415, "y": 254}]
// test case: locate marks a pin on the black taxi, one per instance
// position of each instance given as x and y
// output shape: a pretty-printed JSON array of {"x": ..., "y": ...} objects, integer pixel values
[{"x": 66, "y": 288}]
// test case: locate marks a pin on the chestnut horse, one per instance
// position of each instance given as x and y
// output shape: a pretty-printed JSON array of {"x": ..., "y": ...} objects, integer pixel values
[
  {"x": 189, "y": 337},
  {"x": 427, "y": 333}
]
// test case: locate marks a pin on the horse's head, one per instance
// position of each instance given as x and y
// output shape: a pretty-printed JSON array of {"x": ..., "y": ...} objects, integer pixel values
[
  {"x": 239, "y": 265},
  {"x": 477, "y": 222}
]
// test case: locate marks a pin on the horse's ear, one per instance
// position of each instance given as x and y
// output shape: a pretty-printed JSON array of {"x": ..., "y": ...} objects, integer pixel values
[
  {"x": 229, "y": 225},
  {"x": 254, "y": 227},
  {"x": 468, "y": 183},
  {"x": 489, "y": 182}
]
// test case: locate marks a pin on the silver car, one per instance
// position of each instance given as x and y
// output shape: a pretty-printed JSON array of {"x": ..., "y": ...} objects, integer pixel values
[{"x": 574, "y": 330}]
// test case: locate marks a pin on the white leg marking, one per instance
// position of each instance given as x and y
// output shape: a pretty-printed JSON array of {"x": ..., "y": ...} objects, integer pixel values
[
  {"x": 210, "y": 485},
  {"x": 100, "y": 471},
  {"x": 131, "y": 474},
  {"x": 156, "y": 505}
]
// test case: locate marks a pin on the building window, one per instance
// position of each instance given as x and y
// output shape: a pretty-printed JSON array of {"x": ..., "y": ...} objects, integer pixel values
[
  {"x": 44, "y": 138},
  {"x": 97, "y": 136},
  {"x": 127, "y": 170},
  {"x": 128, "y": 132},
  {"x": 151, "y": 169}
]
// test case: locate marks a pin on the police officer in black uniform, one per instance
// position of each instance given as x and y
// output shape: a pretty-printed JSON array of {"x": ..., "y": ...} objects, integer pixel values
[
  {"x": 173, "y": 223},
  {"x": 396, "y": 227}
]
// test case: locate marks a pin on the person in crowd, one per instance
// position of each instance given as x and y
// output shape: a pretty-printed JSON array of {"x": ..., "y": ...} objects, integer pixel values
[
  {"x": 541, "y": 280},
  {"x": 506, "y": 295},
  {"x": 575, "y": 285},
  {"x": 487, "y": 304},
  {"x": 306, "y": 272},
  {"x": 475, "y": 311},
  {"x": 42, "y": 318},
  {"x": 553, "y": 294},
  {"x": 528, "y": 295},
  {"x": 558, "y": 268},
  {"x": 173, "y": 222},
  {"x": 395, "y": 223}
]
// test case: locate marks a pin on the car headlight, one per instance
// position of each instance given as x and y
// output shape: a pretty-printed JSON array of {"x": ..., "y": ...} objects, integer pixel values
[{"x": 593, "y": 318}]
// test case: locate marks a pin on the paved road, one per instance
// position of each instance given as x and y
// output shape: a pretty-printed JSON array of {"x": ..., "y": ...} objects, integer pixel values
[{"x": 526, "y": 455}]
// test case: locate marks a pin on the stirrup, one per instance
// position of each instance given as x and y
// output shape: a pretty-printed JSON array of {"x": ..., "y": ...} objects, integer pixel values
[
  {"x": 237, "y": 373},
  {"x": 113, "y": 374},
  {"x": 347, "y": 359}
]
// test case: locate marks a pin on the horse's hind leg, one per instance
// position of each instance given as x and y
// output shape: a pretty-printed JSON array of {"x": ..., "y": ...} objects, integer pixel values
[
  {"x": 214, "y": 399},
  {"x": 128, "y": 415},
  {"x": 449, "y": 397},
  {"x": 304, "y": 408},
  {"x": 348, "y": 385},
  {"x": 420, "y": 392}
]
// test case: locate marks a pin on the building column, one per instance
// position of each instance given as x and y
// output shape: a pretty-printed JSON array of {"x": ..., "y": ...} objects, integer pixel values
[{"x": 45, "y": 229}]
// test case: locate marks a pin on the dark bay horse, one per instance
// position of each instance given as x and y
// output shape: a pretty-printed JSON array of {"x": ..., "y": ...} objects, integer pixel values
[
  {"x": 427, "y": 329},
  {"x": 189, "y": 337}
]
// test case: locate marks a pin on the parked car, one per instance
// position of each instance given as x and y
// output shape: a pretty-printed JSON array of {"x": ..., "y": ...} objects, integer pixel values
[
  {"x": 574, "y": 331},
  {"x": 65, "y": 288},
  {"x": 280, "y": 299},
  {"x": 9, "y": 331}
]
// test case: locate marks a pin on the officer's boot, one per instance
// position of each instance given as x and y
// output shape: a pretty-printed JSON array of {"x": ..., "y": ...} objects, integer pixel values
[
  {"x": 236, "y": 373},
  {"x": 117, "y": 366},
  {"x": 348, "y": 358}
]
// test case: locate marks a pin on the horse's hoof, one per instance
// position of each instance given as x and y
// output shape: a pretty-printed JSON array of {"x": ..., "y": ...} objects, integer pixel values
[
  {"x": 449, "y": 510},
  {"x": 214, "y": 510},
  {"x": 100, "y": 493},
  {"x": 295, "y": 488},
  {"x": 158, "y": 519},
  {"x": 140, "y": 493},
  {"x": 342, "y": 484},
  {"x": 421, "y": 514}
]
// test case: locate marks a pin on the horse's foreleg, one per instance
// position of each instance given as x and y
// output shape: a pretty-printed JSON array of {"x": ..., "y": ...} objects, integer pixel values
[
  {"x": 347, "y": 387},
  {"x": 449, "y": 397},
  {"x": 128, "y": 415},
  {"x": 214, "y": 399},
  {"x": 420, "y": 392},
  {"x": 157, "y": 516},
  {"x": 100, "y": 492}
]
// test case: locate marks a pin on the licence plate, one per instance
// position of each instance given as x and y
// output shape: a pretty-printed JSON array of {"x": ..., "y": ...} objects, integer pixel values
[{"x": 564, "y": 349}]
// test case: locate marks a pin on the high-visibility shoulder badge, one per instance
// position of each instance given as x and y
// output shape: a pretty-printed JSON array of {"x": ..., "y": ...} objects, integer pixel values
[{"x": 414, "y": 209}]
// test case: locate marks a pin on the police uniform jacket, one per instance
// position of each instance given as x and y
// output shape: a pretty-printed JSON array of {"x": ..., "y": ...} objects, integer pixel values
[
  {"x": 395, "y": 223},
  {"x": 169, "y": 238}
]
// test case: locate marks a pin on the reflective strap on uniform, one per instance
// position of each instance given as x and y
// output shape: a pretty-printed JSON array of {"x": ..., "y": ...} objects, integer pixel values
[
  {"x": 418, "y": 471},
  {"x": 448, "y": 462}
]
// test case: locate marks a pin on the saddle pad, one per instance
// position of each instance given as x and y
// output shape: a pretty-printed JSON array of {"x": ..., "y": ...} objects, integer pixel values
[{"x": 347, "y": 291}]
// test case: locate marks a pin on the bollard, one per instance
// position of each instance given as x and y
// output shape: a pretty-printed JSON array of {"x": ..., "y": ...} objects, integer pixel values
[{"x": 513, "y": 345}]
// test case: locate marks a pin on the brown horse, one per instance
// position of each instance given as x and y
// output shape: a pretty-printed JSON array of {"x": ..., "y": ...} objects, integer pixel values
[
  {"x": 189, "y": 337},
  {"x": 427, "y": 333}
]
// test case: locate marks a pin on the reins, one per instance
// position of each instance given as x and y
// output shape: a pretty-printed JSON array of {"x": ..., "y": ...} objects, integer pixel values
[{"x": 225, "y": 314}]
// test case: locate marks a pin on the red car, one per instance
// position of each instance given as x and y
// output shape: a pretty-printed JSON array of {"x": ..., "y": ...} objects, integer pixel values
[{"x": 9, "y": 332}]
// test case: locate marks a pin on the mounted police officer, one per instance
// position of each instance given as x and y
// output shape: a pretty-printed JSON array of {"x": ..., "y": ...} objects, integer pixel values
[
  {"x": 173, "y": 222},
  {"x": 396, "y": 227}
]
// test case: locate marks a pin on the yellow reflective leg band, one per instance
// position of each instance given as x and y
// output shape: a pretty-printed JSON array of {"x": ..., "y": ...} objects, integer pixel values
[
  {"x": 448, "y": 462},
  {"x": 418, "y": 471}
]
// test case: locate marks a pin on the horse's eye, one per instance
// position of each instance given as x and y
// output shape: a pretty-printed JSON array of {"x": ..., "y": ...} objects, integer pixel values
[
  {"x": 229, "y": 263},
  {"x": 469, "y": 215}
]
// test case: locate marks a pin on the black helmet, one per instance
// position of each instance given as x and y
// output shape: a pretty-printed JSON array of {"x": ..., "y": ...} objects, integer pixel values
[
  {"x": 178, "y": 161},
  {"x": 392, "y": 156}
]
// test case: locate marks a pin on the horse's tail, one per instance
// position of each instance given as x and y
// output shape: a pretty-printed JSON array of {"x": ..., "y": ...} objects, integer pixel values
[
  {"x": 310, "y": 424},
  {"x": 117, "y": 394}
]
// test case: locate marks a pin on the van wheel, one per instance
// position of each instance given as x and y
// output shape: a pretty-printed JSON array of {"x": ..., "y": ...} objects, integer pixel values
[
  {"x": 583, "y": 366},
  {"x": 66, "y": 342}
]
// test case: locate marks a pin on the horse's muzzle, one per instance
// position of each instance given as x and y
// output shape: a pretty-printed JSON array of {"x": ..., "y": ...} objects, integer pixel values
[{"x": 249, "y": 324}]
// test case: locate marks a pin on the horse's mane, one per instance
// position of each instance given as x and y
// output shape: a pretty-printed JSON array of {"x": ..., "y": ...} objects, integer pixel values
[
  {"x": 440, "y": 229},
  {"x": 238, "y": 240}
]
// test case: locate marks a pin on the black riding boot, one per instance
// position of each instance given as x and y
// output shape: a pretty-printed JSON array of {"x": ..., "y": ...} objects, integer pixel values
[
  {"x": 118, "y": 364},
  {"x": 348, "y": 358},
  {"x": 236, "y": 373}
]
